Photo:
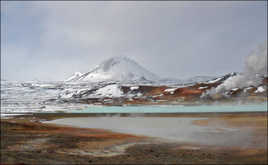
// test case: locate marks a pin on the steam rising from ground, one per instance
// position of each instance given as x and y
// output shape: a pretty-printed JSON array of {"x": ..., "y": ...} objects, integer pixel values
[
  {"x": 174, "y": 129},
  {"x": 255, "y": 70},
  {"x": 256, "y": 63}
]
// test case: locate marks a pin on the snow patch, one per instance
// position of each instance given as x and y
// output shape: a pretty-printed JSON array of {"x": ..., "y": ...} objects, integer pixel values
[
  {"x": 214, "y": 81},
  {"x": 134, "y": 88},
  {"x": 203, "y": 87},
  {"x": 260, "y": 89},
  {"x": 234, "y": 89},
  {"x": 110, "y": 91},
  {"x": 157, "y": 95},
  {"x": 170, "y": 90}
]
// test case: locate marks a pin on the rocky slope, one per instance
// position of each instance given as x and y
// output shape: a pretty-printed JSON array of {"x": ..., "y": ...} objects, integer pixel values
[{"x": 203, "y": 91}]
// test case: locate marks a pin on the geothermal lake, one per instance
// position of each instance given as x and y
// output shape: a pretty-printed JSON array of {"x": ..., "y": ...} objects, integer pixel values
[
  {"x": 173, "y": 129},
  {"x": 174, "y": 109},
  {"x": 180, "y": 129}
]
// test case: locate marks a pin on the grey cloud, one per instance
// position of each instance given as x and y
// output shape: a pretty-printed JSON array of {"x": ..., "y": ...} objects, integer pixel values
[{"x": 174, "y": 39}]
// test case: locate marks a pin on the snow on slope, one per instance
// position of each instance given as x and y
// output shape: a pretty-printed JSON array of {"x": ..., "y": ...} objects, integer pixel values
[
  {"x": 74, "y": 77},
  {"x": 120, "y": 69},
  {"x": 110, "y": 91}
]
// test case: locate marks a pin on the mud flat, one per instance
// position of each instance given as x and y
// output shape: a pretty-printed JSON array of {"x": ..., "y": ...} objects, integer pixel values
[{"x": 216, "y": 138}]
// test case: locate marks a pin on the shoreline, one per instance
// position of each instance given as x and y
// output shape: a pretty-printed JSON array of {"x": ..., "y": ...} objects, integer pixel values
[{"x": 52, "y": 116}]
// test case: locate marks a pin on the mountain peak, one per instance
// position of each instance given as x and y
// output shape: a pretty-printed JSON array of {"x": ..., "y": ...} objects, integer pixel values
[
  {"x": 113, "y": 61},
  {"x": 118, "y": 68}
]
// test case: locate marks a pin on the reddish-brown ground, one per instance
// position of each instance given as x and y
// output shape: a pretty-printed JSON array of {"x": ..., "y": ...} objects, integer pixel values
[
  {"x": 27, "y": 141},
  {"x": 188, "y": 95}
]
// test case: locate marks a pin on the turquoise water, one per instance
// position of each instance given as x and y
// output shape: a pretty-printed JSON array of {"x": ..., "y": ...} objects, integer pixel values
[{"x": 174, "y": 109}]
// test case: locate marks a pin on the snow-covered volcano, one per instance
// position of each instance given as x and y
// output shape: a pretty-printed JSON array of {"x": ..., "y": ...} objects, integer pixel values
[{"x": 121, "y": 69}]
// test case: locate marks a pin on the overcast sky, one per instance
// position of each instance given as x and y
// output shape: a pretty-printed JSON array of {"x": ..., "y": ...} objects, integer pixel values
[{"x": 52, "y": 40}]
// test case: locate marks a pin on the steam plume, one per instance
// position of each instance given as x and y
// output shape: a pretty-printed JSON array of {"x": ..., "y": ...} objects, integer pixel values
[{"x": 255, "y": 70}]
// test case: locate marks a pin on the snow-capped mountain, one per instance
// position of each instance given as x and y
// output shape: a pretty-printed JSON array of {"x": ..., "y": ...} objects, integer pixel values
[{"x": 120, "y": 69}]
